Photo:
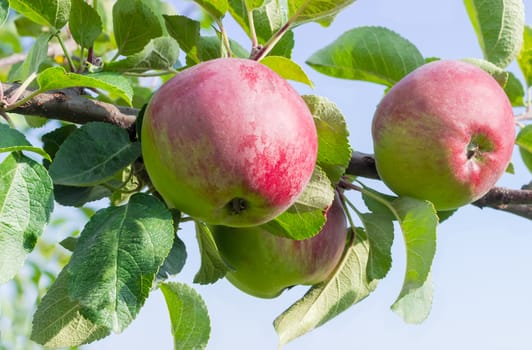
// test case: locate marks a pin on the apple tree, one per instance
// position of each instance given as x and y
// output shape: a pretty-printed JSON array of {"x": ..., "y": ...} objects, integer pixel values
[{"x": 152, "y": 110}]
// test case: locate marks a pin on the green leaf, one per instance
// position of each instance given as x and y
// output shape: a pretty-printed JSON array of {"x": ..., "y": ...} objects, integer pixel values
[
  {"x": 135, "y": 25},
  {"x": 334, "y": 152},
  {"x": 253, "y": 4},
  {"x": 26, "y": 201},
  {"x": 515, "y": 91},
  {"x": 92, "y": 154},
  {"x": 4, "y": 11},
  {"x": 55, "y": 138},
  {"x": 58, "y": 321},
  {"x": 418, "y": 221},
  {"x": 373, "y": 54},
  {"x": 160, "y": 53},
  {"x": 212, "y": 265},
  {"x": 189, "y": 317},
  {"x": 11, "y": 140},
  {"x": 209, "y": 47},
  {"x": 216, "y": 8},
  {"x": 379, "y": 229},
  {"x": 499, "y": 27},
  {"x": 186, "y": 32},
  {"x": 57, "y": 78},
  {"x": 74, "y": 196},
  {"x": 524, "y": 59},
  {"x": 346, "y": 287},
  {"x": 498, "y": 73},
  {"x": 26, "y": 27},
  {"x": 524, "y": 141},
  {"x": 174, "y": 262},
  {"x": 306, "y": 217},
  {"x": 116, "y": 259},
  {"x": 36, "y": 56},
  {"x": 85, "y": 23},
  {"x": 52, "y": 13},
  {"x": 268, "y": 19},
  {"x": 287, "y": 69},
  {"x": 322, "y": 11}
]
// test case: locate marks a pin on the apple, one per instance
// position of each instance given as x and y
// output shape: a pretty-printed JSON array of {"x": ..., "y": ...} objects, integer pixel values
[
  {"x": 264, "y": 265},
  {"x": 444, "y": 133},
  {"x": 229, "y": 142}
]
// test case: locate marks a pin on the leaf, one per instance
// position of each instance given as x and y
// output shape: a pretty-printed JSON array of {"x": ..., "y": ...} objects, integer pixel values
[
  {"x": 57, "y": 78},
  {"x": 36, "y": 56},
  {"x": 212, "y": 266},
  {"x": 55, "y": 138},
  {"x": 379, "y": 229},
  {"x": 306, "y": 217},
  {"x": 373, "y": 54},
  {"x": 160, "y": 53},
  {"x": 174, "y": 262},
  {"x": 26, "y": 201},
  {"x": 524, "y": 141},
  {"x": 52, "y": 13},
  {"x": 253, "y": 4},
  {"x": 134, "y": 26},
  {"x": 499, "y": 27},
  {"x": 418, "y": 221},
  {"x": 268, "y": 19},
  {"x": 347, "y": 286},
  {"x": 189, "y": 317},
  {"x": 116, "y": 259},
  {"x": 499, "y": 74},
  {"x": 287, "y": 69},
  {"x": 322, "y": 11},
  {"x": 334, "y": 152},
  {"x": 215, "y": 8},
  {"x": 85, "y": 23},
  {"x": 4, "y": 11},
  {"x": 515, "y": 91},
  {"x": 92, "y": 154},
  {"x": 11, "y": 140},
  {"x": 209, "y": 48},
  {"x": 58, "y": 321},
  {"x": 186, "y": 32},
  {"x": 524, "y": 59},
  {"x": 74, "y": 196}
]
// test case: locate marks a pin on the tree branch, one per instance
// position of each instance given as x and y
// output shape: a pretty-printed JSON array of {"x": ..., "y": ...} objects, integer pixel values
[{"x": 68, "y": 105}]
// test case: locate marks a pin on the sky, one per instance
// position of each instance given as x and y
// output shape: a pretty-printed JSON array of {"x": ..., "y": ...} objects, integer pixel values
[{"x": 482, "y": 269}]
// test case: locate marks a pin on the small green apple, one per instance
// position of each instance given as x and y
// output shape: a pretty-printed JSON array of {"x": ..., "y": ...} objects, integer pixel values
[
  {"x": 444, "y": 133},
  {"x": 263, "y": 265},
  {"x": 229, "y": 142}
]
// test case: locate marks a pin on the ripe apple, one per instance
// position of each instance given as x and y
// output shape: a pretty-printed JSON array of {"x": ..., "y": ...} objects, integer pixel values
[
  {"x": 230, "y": 142},
  {"x": 263, "y": 265},
  {"x": 444, "y": 133}
]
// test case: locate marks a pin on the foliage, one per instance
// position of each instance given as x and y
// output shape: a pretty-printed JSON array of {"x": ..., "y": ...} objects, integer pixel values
[{"x": 130, "y": 248}]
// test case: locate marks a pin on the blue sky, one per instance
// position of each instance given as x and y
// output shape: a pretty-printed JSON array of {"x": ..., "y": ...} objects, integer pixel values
[{"x": 481, "y": 273}]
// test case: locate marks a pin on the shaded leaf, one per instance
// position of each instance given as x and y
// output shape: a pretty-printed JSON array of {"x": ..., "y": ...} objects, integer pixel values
[
  {"x": 160, "y": 53},
  {"x": 85, "y": 23},
  {"x": 4, "y": 11},
  {"x": 36, "y": 56},
  {"x": 524, "y": 59},
  {"x": 93, "y": 154},
  {"x": 116, "y": 259},
  {"x": 11, "y": 140},
  {"x": 174, "y": 262},
  {"x": 26, "y": 202},
  {"x": 373, "y": 54},
  {"x": 189, "y": 317},
  {"x": 379, "y": 229},
  {"x": 499, "y": 27},
  {"x": 347, "y": 286},
  {"x": 135, "y": 25},
  {"x": 216, "y": 8},
  {"x": 524, "y": 141},
  {"x": 212, "y": 266},
  {"x": 186, "y": 32}
]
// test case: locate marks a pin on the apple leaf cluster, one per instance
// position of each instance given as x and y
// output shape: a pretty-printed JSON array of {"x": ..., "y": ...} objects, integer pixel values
[{"x": 104, "y": 51}]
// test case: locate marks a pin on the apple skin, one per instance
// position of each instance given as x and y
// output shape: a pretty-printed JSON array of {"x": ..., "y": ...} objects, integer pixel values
[
  {"x": 264, "y": 265},
  {"x": 229, "y": 142},
  {"x": 444, "y": 133}
]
